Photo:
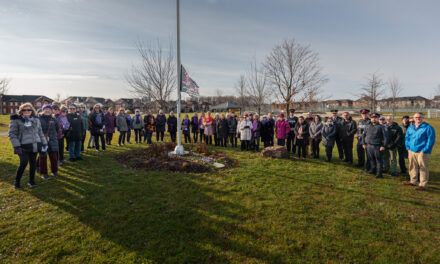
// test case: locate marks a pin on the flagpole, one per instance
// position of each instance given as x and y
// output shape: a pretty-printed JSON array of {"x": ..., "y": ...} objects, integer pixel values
[{"x": 179, "y": 148}]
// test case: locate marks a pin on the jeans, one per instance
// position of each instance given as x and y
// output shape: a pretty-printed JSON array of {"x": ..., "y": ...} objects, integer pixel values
[
  {"x": 301, "y": 145},
  {"x": 187, "y": 137},
  {"x": 128, "y": 135},
  {"x": 108, "y": 138},
  {"x": 233, "y": 139},
  {"x": 138, "y": 135},
  {"x": 195, "y": 136},
  {"x": 74, "y": 149},
  {"x": 148, "y": 136},
  {"x": 121, "y": 139},
  {"x": 315, "y": 147},
  {"x": 25, "y": 158},
  {"x": 161, "y": 134},
  {"x": 96, "y": 138},
  {"x": 202, "y": 135},
  {"x": 280, "y": 142}
]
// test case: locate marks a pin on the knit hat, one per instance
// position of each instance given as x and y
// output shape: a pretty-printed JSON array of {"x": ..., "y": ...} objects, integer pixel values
[{"x": 47, "y": 106}]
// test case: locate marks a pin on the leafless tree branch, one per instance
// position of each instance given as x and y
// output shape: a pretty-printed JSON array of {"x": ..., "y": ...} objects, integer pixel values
[{"x": 4, "y": 85}]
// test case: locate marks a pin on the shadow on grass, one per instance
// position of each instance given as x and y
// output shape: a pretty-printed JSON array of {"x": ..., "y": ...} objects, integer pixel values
[{"x": 161, "y": 217}]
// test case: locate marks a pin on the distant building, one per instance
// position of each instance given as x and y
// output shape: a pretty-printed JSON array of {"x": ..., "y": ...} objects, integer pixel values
[
  {"x": 9, "y": 104},
  {"x": 405, "y": 102}
]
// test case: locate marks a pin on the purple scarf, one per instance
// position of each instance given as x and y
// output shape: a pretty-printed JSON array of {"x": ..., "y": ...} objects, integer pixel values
[{"x": 64, "y": 122}]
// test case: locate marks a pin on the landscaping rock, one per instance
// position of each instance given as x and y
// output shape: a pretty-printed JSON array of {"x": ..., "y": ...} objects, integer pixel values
[{"x": 275, "y": 152}]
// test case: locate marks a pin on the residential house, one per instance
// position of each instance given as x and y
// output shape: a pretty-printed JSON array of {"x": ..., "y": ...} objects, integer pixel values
[{"x": 9, "y": 104}]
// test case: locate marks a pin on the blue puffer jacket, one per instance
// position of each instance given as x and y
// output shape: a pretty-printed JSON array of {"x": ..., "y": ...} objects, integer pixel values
[{"x": 420, "y": 139}]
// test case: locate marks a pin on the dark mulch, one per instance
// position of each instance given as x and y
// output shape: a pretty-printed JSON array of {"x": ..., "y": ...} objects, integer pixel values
[{"x": 156, "y": 157}]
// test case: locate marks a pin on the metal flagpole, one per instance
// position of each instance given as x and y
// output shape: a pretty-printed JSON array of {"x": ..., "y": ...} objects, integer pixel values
[{"x": 179, "y": 148}]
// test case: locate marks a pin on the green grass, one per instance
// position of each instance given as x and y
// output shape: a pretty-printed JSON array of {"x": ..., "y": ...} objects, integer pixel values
[
  {"x": 4, "y": 123},
  {"x": 264, "y": 211}
]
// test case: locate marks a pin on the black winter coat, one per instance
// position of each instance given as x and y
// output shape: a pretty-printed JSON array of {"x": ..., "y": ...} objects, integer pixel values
[
  {"x": 304, "y": 134},
  {"x": 222, "y": 128},
  {"x": 266, "y": 131},
  {"x": 75, "y": 131},
  {"x": 232, "y": 125},
  {"x": 347, "y": 129},
  {"x": 375, "y": 135},
  {"x": 96, "y": 127},
  {"x": 50, "y": 127},
  {"x": 161, "y": 121},
  {"x": 395, "y": 134},
  {"x": 172, "y": 124}
]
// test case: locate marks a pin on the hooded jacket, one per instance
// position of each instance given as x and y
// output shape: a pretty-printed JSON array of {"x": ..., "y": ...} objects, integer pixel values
[
  {"x": 50, "y": 127},
  {"x": 420, "y": 139},
  {"x": 29, "y": 138}
]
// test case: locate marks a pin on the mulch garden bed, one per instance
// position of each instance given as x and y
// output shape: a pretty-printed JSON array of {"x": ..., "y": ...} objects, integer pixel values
[{"x": 155, "y": 157}]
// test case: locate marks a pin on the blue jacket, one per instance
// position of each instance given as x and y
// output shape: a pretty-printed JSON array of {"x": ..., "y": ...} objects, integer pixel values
[{"x": 420, "y": 139}]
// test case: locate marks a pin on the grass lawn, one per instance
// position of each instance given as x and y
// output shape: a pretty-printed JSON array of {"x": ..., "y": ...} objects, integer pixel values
[{"x": 264, "y": 211}]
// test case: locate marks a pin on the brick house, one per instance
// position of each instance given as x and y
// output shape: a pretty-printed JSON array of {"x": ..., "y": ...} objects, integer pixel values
[
  {"x": 9, "y": 104},
  {"x": 405, "y": 102},
  {"x": 89, "y": 102}
]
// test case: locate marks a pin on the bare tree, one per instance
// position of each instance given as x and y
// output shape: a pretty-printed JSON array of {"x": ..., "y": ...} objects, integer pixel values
[
  {"x": 155, "y": 76},
  {"x": 373, "y": 90},
  {"x": 257, "y": 88},
  {"x": 395, "y": 89},
  {"x": 58, "y": 97},
  {"x": 218, "y": 92},
  {"x": 240, "y": 89},
  {"x": 437, "y": 91},
  {"x": 4, "y": 85},
  {"x": 293, "y": 68}
]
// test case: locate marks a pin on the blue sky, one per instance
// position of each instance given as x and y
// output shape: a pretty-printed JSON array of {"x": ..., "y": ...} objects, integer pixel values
[{"x": 86, "y": 47}]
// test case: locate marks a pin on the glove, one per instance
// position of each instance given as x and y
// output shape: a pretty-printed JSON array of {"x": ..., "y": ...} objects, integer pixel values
[
  {"x": 18, "y": 150},
  {"x": 44, "y": 148}
]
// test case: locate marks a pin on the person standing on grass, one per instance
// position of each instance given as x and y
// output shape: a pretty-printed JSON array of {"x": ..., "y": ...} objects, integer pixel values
[
  {"x": 91, "y": 142},
  {"x": 50, "y": 128},
  {"x": 172, "y": 126},
  {"x": 265, "y": 131},
  {"x": 401, "y": 149},
  {"x": 138, "y": 125},
  {"x": 309, "y": 119},
  {"x": 202, "y": 127},
  {"x": 301, "y": 136},
  {"x": 97, "y": 128},
  {"x": 347, "y": 130},
  {"x": 186, "y": 123},
  {"x": 362, "y": 123},
  {"x": 110, "y": 124},
  {"x": 129, "y": 121},
  {"x": 419, "y": 141},
  {"x": 395, "y": 135},
  {"x": 195, "y": 127},
  {"x": 374, "y": 140},
  {"x": 232, "y": 129},
  {"x": 64, "y": 126},
  {"x": 282, "y": 129},
  {"x": 161, "y": 121},
  {"x": 337, "y": 120},
  {"x": 328, "y": 137},
  {"x": 121, "y": 124},
  {"x": 222, "y": 131},
  {"x": 214, "y": 125},
  {"x": 315, "y": 130},
  {"x": 150, "y": 127},
  {"x": 245, "y": 128},
  {"x": 27, "y": 139},
  {"x": 85, "y": 118},
  {"x": 256, "y": 133},
  {"x": 209, "y": 128},
  {"x": 291, "y": 136},
  {"x": 147, "y": 118},
  {"x": 74, "y": 135},
  {"x": 271, "y": 127}
]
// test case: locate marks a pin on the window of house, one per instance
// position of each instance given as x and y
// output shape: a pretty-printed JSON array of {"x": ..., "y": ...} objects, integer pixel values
[
  {"x": 16, "y": 103},
  {"x": 12, "y": 111}
]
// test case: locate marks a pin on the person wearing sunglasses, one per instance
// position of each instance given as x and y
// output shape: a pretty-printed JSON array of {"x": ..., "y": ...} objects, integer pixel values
[{"x": 28, "y": 139}]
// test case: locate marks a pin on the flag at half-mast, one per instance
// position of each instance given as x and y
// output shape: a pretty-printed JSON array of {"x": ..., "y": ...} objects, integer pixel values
[{"x": 188, "y": 85}]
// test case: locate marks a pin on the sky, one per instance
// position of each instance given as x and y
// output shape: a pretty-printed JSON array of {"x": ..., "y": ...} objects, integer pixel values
[{"x": 87, "y": 47}]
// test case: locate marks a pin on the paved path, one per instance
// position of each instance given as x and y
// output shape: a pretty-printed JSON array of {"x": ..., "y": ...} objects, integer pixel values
[{"x": 3, "y": 133}]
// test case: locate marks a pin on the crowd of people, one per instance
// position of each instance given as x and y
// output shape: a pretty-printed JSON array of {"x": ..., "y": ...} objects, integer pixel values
[{"x": 382, "y": 144}]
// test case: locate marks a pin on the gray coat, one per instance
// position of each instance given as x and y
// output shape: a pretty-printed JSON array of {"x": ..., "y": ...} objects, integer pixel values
[
  {"x": 121, "y": 123},
  {"x": 49, "y": 126},
  {"x": 315, "y": 130},
  {"x": 329, "y": 135},
  {"x": 30, "y": 138}
]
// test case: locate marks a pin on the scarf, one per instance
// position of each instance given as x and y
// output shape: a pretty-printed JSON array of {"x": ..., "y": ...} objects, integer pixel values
[{"x": 98, "y": 118}]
